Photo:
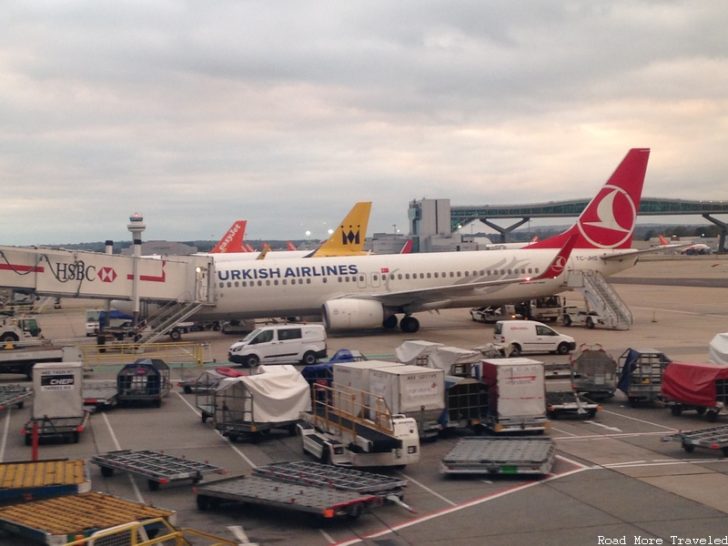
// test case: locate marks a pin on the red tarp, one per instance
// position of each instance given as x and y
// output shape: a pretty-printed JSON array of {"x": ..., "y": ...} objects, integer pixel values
[{"x": 692, "y": 383}]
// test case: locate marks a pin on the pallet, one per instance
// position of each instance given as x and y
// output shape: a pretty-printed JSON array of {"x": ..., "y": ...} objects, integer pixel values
[{"x": 500, "y": 456}]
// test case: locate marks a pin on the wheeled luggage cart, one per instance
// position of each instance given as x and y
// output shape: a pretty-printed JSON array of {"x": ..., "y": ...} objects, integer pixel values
[
  {"x": 640, "y": 375},
  {"x": 569, "y": 404},
  {"x": 594, "y": 372},
  {"x": 157, "y": 467},
  {"x": 709, "y": 438},
  {"x": 145, "y": 380},
  {"x": 325, "y": 502},
  {"x": 99, "y": 395},
  {"x": 68, "y": 429},
  {"x": 500, "y": 456},
  {"x": 14, "y": 395}
]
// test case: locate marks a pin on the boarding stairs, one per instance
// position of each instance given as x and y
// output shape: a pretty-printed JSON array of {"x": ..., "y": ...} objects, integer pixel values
[
  {"x": 166, "y": 318},
  {"x": 602, "y": 298}
]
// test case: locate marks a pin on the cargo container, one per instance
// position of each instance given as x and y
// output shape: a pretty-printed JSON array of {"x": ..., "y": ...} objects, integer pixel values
[
  {"x": 415, "y": 391},
  {"x": 353, "y": 377},
  {"x": 516, "y": 394},
  {"x": 702, "y": 387}
]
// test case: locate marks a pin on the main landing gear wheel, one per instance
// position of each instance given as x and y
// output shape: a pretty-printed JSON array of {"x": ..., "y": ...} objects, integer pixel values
[
  {"x": 390, "y": 322},
  {"x": 409, "y": 325}
]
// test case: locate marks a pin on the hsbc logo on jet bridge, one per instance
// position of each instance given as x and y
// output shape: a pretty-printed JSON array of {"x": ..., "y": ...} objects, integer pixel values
[{"x": 79, "y": 271}]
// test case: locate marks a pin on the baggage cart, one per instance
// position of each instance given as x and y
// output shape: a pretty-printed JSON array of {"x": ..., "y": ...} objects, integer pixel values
[
  {"x": 346, "y": 479},
  {"x": 640, "y": 375},
  {"x": 699, "y": 386},
  {"x": 709, "y": 438},
  {"x": 14, "y": 395},
  {"x": 500, "y": 456},
  {"x": 57, "y": 520},
  {"x": 31, "y": 480},
  {"x": 204, "y": 387},
  {"x": 325, "y": 502},
  {"x": 157, "y": 467},
  {"x": 98, "y": 395},
  {"x": 569, "y": 404},
  {"x": 145, "y": 380},
  {"x": 595, "y": 372},
  {"x": 67, "y": 429}
]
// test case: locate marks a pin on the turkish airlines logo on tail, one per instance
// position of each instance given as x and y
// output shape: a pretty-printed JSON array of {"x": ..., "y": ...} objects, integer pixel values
[
  {"x": 559, "y": 264},
  {"x": 610, "y": 219}
]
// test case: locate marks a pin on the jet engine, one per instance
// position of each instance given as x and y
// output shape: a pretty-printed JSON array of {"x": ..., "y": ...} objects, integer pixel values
[{"x": 350, "y": 314}]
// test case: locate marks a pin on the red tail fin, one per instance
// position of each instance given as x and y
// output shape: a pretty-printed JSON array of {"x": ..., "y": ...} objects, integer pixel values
[
  {"x": 290, "y": 246},
  {"x": 663, "y": 240},
  {"x": 232, "y": 241},
  {"x": 558, "y": 264},
  {"x": 407, "y": 247},
  {"x": 608, "y": 220}
]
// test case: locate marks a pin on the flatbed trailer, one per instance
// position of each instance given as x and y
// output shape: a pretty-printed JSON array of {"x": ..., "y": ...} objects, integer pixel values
[
  {"x": 30, "y": 480},
  {"x": 346, "y": 479},
  {"x": 14, "y": 395},
  {"x": 709, "y": 438},
  {"x": 326, "y": 502},
  {"x": 99, "y": 395},
  {"x": 65, "y": 428},
  {"x": 157, "y": 467},
  {"x": 500, "y": 456},
  {"x": 569, "y": 404},
  {"x": 57, "y": 520}
]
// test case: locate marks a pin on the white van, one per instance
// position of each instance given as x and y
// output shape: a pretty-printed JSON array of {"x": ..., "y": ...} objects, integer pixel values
[
  {"x": 529, "y": 336},
  {"x": 280, "y": 343}
]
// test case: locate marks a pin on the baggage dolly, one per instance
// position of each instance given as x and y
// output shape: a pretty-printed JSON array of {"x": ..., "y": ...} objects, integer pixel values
[
  {"x": 66, "y": 428},
  {"x": 157, "y": 467},
  {"x": 14, "y": 395},
  {"x": 325, "y": 502},
  {"x": 500, "y": 456},
  {"x": 346, "y": 479},
  {"x": 99, "y": 395},
  {"x": 710, "y": 438}
]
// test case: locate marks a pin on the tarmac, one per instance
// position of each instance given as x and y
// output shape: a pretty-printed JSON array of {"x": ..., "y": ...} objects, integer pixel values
[{"x": 615, "y": 480}]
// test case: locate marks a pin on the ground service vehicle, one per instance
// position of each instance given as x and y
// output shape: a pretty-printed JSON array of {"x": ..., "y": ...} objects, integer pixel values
[
  {"x": 516, "y": 394},
  {"x": 702, "y": 387},
  {"x": 342, "y": 438},
  {"x": 640, "y": 375},
  {"x": 579, "y": 317},
  {"x": 14, "y": 329},
  {"x": 528, "y": 336},
  {"x": 280, "y": 344}
]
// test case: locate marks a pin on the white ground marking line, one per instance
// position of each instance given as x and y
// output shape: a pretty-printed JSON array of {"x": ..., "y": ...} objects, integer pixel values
[
  {"x": 572, "y": 461},
  {"x": 639, "y": 420},
  {"x": 632, "y": 464},
  {"x": 239, "y": 534},
  {"x": 610, "y": 436},
  {"x": 563, "y": 431},
  {"x": 431, "y": 491},
  {"x": 6, "y": 430},
  {"x": 459, "y": 507},
  {"x": 117, "y": 445},
  {"x": 235, "y": 449},
  {"x": 327, "y": 536},
  {"x": 615, "y": 429}
]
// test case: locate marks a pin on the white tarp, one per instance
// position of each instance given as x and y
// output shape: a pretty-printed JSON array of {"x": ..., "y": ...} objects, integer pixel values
[
  {"x": 409, "y": 351},
  {"x": 443, "y": 358},
  {"x": 275, "y": 395},
  {"x": 718, "y": 349}
]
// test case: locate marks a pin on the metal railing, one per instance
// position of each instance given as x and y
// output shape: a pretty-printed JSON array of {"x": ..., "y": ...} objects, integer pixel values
[{"x": 116, "y": 353}]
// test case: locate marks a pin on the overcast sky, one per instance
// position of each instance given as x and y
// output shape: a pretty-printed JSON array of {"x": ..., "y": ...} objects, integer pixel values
[{"x": 286, "y": 112}]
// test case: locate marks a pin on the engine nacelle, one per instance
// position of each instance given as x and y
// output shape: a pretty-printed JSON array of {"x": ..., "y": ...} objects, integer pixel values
[{"x": 351, "y": 314}]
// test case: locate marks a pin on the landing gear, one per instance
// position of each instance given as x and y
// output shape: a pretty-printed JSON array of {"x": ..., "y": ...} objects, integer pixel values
[
  {"x": 390, "y": 322},
  {"x": 409, "y": 324}
]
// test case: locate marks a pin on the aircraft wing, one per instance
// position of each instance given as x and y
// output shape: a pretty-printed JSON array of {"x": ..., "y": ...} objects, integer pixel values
[{"x": 634, "y": 252}]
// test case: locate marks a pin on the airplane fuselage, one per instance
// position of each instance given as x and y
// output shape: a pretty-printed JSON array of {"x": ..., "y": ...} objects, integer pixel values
[{"x": 258, "y": 289}]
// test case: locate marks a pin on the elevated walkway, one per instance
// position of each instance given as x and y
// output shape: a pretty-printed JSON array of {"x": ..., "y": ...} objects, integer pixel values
[{"x": 602, "y": 298}]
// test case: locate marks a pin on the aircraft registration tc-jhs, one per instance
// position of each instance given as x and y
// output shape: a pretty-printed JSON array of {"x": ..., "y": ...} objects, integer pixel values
[{"x": 371, "y": 291}]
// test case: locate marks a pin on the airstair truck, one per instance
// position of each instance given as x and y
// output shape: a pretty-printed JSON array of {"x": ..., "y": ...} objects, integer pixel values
[{"x": 516, "y": 394}]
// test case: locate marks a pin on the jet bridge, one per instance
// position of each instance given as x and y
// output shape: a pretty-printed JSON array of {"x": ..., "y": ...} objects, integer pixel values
[{"x": 65, "y": 273}]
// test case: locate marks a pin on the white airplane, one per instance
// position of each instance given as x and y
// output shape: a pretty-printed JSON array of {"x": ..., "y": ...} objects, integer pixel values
[
  {"x": 370, "y": 291},
  {"x": 685, "y": 248}
]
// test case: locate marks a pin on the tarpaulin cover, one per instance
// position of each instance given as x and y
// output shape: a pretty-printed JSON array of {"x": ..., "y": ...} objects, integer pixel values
[
  {"x": 276, "y": 395},
  {"x": 718, "y": 349},
  {"x": 443, "y": 358},
  {"x": 692, "y": 383},
  {"x": 410, "y": 350}
]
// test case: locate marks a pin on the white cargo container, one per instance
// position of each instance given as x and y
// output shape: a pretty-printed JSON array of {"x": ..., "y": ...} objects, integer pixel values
[
  {"x": 351, "y": 379},
  {"x": 516, "y": 394},
  {"x": 58, "y": 390},
  {"x": 415, "y": 391}
]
